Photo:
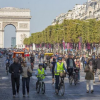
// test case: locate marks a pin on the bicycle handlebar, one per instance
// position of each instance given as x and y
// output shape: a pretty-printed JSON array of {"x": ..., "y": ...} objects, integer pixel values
[{"x": 41, "y": 75}]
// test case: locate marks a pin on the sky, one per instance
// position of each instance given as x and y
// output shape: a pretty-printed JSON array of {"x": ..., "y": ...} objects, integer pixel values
[{"x": 42, "y": 11}]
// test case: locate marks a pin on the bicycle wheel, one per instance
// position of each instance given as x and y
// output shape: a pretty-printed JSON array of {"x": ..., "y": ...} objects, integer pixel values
[
  {"x": 75, "y": 79},
  {"x": 7, "y": 69},
  {"x": 38, "y": 86},
  {"x": 62, "y": 89},
  {"x": 70, "y": 80},
  {"x": 43, "y": 87}
]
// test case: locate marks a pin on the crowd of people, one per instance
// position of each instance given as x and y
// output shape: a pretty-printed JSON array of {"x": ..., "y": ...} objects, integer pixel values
[
  {"x": 57, "y": 63},
  {"x": 90, "y": 64}
]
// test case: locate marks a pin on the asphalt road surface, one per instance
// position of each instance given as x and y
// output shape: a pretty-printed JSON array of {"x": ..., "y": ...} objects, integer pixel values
[{"x": 72, "y": 92}]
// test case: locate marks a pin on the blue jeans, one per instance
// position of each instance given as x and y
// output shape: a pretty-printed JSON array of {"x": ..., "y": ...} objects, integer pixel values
[
  {"x": 56, "y": 81},
  {"x": 84, "y": 65},
  {"x": 79, "y": 75},
  {"x": 25, "y": 82},
  {"x": 15, "y": 84},
  {"x": 40, "y": 60}
]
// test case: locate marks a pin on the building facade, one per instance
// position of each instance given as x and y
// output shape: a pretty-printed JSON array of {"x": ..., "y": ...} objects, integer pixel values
[
  {"x": 89, "y": 10},
  {"x": 20, "y": 19}
]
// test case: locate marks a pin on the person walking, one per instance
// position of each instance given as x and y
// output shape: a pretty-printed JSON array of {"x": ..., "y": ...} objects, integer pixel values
[
  {"x": 44, "y": 65},
  {"x": 78, "y": 67},
  {"x": 15, "y": 70},
  {"x": 42, "y": 56},
  {"x": 48, "y": 60},
  {"x": 81, "y": 63},
  {"x": 91, "y": 58},
  {"x": 84, "y": 60},
  {"x": 7, "y": 63},
  {"x": 98, "y": 66},
  {"x": 66, "y": 57},
  {"x": 25, "y": 78},
  {"x": 19, "y": 59},
  {"x": 64, "y": 62},
  {"x": 39, "y": 57},
  {"x": 32, "y": 59},
  {"x": 89, "y": 77},
  {"x": 70, "y": 65},
  {"x": 52, "y": 69}
]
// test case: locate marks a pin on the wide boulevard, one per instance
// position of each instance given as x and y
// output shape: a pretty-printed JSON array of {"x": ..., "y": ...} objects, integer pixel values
[{"x": 72, "y": 92}]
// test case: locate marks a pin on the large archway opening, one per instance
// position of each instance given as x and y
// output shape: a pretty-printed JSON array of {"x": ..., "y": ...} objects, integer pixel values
[
  {"x": 20, "y": 18},
  {"x": 9, "y": 36}
]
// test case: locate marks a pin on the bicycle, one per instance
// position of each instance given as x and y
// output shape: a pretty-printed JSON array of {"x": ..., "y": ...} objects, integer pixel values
[
  {"x": 61, "y": 87},
  {"x": 40, "y": 85},
  {"x": 74, "y": 77},
  {"x": 7, "y": 68}
]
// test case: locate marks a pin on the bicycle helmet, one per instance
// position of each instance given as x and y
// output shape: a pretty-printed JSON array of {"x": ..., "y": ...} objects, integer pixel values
[
  {"x": 59, "y": 58},
  {"x": 40, "y": 64}
]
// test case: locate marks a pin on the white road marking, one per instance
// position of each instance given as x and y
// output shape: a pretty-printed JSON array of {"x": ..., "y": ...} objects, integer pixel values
[
  {"x": 34, "y": 77},
  {"x": 4, "y": 78}
]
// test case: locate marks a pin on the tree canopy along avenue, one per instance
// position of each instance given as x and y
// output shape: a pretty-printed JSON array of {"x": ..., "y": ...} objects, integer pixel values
[{"x": 69, "y": 31}]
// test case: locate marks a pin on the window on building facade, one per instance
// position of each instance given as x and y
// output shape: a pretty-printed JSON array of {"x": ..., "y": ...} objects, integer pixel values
[{"x": 90, "y": 13}]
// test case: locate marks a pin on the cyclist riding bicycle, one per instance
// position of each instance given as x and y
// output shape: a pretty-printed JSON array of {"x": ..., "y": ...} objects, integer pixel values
[
  {"x": 10, "y": 55},
  {"x": 40, "y": 73},
  {"x": 7, "y": 63},
  {"x": 59, "y": 67},
  {"x": 70, "y": 65}
]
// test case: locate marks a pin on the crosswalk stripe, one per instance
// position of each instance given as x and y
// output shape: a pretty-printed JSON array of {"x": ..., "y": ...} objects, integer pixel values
[
  {"x": 4, "y": 78},
  {"x": 34, "y": 77}
]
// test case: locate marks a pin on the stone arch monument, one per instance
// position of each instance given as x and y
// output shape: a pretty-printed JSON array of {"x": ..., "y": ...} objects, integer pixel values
[{"x": 20, "y": 19}]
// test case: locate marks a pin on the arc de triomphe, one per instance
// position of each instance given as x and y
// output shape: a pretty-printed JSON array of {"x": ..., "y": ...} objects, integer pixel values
[{"x": 20, "y": 19}]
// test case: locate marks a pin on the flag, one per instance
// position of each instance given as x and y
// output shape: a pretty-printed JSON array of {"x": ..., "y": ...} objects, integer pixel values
[
  {"x": 70, "y": 46},
  {"x": 49, "y": 45},
  {"x": 40, "y": 45},
  {"x": 79, "y": 46},
  {"x": 88, "y": 46},
  {"x": 67, "y": 45},
  {"x": 45, "y": 45}
]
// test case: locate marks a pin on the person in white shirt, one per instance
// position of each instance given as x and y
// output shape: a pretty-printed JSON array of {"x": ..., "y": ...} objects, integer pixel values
[
  {"x": 25, "y": 78},
  {"x": 89, "y": 77}
]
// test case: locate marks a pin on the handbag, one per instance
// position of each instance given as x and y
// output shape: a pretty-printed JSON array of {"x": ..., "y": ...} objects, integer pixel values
[{"x": 29, "y": 74}]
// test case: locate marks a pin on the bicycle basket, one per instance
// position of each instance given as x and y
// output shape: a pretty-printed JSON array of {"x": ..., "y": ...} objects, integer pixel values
[{"x": 62, "y": 74}]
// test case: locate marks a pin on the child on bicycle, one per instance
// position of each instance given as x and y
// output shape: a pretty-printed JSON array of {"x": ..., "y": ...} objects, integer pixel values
[{"x": 40, "y": 73}]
